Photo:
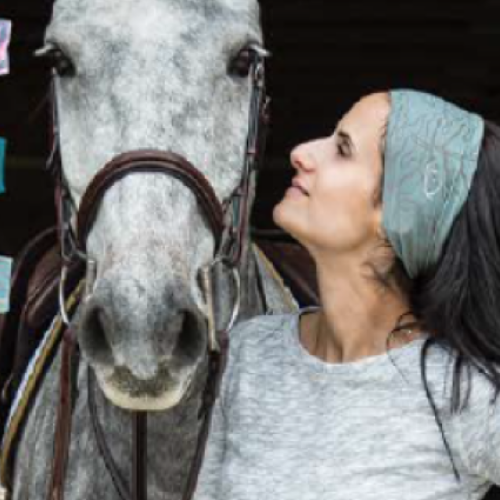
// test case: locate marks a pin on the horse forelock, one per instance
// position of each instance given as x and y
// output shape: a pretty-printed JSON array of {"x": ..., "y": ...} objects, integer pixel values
[{"x": 73, "y": 10}]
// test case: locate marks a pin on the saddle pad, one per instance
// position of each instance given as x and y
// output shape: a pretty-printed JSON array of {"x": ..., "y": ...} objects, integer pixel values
[{"x": 32, "y": 378}]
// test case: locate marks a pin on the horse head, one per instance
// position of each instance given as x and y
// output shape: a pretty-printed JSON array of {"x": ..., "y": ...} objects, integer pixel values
[{"x": 157, "y": 75}]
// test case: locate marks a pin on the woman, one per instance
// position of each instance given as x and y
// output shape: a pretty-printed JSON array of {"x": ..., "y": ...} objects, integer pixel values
[{"x": 400, "y": 209}]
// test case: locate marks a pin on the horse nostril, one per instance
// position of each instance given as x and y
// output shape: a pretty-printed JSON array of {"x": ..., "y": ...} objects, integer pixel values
[
  {"x": 190, "y": 343},
  {"x": 93, "y": 338}
]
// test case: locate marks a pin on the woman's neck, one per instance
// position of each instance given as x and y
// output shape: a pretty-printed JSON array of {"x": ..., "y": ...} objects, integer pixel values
[{"x": 356, "y": 317}]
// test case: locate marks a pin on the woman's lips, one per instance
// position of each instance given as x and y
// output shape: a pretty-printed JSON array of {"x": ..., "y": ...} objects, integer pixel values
[
  {"x": 297, "y": 184},
  {"x": 295, "y": 191}
]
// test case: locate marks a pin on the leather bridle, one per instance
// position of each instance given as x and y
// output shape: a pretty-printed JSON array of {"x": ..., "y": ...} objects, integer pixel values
[{"x": 228, "y": 222}]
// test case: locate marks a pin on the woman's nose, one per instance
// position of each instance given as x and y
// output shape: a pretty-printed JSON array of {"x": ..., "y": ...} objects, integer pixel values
[{"x": 301, "y": 157}]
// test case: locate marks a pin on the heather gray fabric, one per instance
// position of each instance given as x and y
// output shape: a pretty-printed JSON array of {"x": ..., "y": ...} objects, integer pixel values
[{"x": 289, "y": 426}]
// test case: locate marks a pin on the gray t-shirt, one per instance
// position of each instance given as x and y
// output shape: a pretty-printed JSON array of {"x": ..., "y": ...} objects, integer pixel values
[{"x": 289, "y": 426}]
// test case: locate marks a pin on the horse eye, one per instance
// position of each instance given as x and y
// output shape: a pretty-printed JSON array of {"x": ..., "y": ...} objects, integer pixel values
[
  {"x": 62, "y": 64},
  {"x": 57, "y": 60},
  {"x": 242, "y": 64}
]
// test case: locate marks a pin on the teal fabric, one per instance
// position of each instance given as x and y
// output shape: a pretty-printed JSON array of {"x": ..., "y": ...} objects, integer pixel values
[
  {"x": 5, "y": 282},
  {"x": 3, "y": 146},
  {"x": 431, "y": 155}
]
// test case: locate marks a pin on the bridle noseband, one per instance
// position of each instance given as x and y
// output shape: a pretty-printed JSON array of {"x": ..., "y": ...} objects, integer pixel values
[{"x": 228, "y": 222}]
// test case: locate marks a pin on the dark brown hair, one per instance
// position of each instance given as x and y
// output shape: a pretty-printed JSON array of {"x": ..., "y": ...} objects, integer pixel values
[{"x": 457, "y": 300}]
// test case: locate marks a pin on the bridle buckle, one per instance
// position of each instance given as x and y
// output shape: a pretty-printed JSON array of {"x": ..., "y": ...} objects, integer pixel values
[{"x": 206, "y": 275}]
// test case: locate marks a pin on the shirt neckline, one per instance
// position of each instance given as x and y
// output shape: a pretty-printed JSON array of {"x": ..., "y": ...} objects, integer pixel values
[{"x": 376, "y": 361}]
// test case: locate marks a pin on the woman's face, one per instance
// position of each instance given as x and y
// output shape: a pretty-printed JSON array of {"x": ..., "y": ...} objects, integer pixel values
[{"x": 332, "y": 203}]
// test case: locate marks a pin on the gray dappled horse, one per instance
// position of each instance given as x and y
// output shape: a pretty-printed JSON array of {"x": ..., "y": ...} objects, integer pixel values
[{"x": 158, "y": 75}]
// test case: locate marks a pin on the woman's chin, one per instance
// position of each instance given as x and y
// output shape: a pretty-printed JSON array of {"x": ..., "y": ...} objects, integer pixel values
[
  {"x": 278, "y": 215},
  {"x": 285, "y": 218}
]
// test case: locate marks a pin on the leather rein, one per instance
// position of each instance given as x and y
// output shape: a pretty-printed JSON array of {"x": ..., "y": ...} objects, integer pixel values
[{"x": 228, "y": 222}]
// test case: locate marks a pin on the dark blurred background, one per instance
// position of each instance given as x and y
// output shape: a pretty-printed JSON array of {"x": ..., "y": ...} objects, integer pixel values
[{"x": 326, "y": 55}]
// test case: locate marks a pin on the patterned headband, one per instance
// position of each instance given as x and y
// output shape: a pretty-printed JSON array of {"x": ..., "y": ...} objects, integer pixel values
[{"x": 432, "y": 150}]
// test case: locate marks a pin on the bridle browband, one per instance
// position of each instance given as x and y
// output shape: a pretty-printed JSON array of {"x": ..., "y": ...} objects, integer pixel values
[{"x": 228, "y": 222}]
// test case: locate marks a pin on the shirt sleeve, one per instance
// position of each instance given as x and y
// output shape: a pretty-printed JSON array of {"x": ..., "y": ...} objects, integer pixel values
[{"x": 478, "y": 430}]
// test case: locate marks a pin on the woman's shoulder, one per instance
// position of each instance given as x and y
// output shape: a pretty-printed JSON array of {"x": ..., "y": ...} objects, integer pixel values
[
  {"x": 476, "y": 426},
  {"x": 260, "y": 332}
]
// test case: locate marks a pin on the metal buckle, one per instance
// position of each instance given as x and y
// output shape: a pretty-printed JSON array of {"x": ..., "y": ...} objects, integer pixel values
[
  {"x": 4, "y": 493},
  {"x": 62, "y": 301},
  {"x": 206, "y": 276},
  {"x": 91, "y": 271}
]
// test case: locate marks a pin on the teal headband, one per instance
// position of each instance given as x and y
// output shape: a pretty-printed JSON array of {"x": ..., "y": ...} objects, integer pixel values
[{"x": 431, "y": 154}]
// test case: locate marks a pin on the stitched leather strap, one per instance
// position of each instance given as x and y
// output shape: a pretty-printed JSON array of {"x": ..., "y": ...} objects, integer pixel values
[
  {"x": 217, "y": 364},
  {"x": 155, "y": 162},
  {"x": 64, "y": 417},
  {"x": 139, "y": 456},
  {"x": 119, "y": 481}
]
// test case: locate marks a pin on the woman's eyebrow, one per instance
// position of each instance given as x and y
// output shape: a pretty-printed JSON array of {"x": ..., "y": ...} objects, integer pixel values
[{"x": 346, "y": 137}]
